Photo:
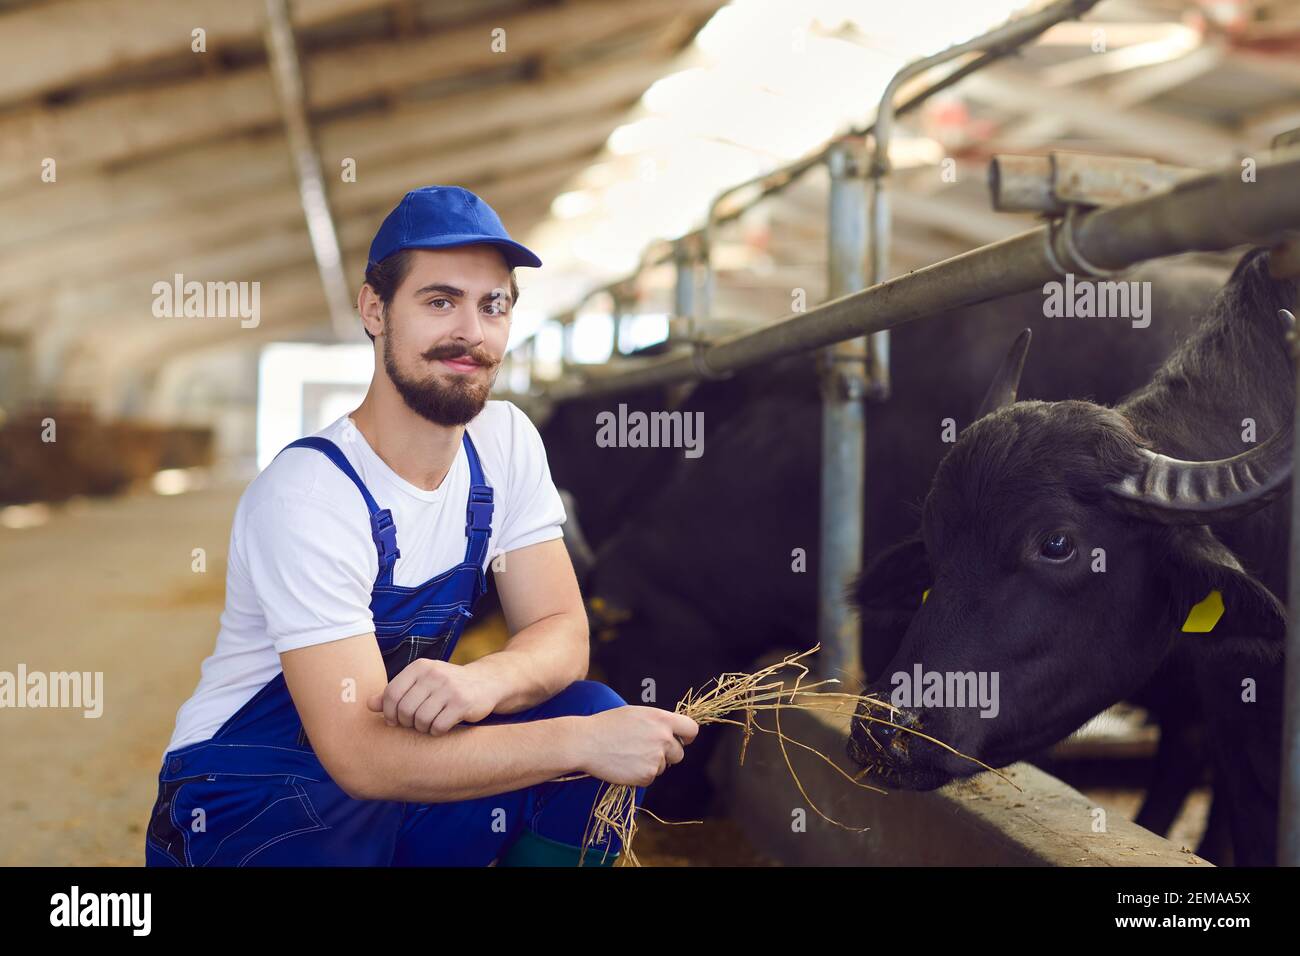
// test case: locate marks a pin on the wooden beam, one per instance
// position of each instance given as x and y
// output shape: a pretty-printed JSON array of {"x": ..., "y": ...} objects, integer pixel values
[
  {"x": 101, "y": 251},
  {"x": 56, "y": 45},
  {"x": 106, "y": 368},
  {"x": 199, "y": 175},
  {"x": 1147, "y": 132},
  {"x": 125, "y": 125},
  {"x": 268, "y": 254},
  {"x": 129, "y": 326}
]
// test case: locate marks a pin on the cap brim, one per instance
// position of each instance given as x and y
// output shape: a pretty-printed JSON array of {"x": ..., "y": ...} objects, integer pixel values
[{"x": 515, "y": 253}]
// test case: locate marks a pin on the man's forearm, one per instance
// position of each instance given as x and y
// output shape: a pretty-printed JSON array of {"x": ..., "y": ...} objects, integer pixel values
[
  {"x": 399, "y": 763},
  {"x": 538, "y": 662}
]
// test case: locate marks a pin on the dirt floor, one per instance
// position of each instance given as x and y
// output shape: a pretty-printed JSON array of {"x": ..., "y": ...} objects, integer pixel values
[{"x": 110, "y": 586}]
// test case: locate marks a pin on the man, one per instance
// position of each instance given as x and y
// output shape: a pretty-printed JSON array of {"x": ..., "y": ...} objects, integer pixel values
[{"x": 328, "y": 726}]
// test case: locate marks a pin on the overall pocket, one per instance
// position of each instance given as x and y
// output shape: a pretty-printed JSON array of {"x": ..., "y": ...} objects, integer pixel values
[
  {"x": 431, "y": 642},
  {"x": 227, "y": 819}
]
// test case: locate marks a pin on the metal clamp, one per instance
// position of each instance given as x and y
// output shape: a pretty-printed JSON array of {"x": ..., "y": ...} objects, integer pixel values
[
  {"x": 701, "y": 366},
  {"x": 1066, "y": 227}
]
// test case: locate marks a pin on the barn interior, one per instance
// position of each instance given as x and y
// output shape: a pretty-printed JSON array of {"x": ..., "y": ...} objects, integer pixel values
[{"x": 690, "y": 172}]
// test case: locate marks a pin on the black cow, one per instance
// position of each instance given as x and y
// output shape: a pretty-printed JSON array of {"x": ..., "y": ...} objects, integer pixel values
[
  {"x": 606, "y": 484},
  {"x": 1170, "y": 488},
  {"x": 699, "y": 580}
]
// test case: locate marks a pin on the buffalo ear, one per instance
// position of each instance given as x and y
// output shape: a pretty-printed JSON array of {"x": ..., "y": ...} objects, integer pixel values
[
  {"x": 1199, "y": 564},
  {"x": 887, "y": 594},
  {"x": 895, "y": 579}
]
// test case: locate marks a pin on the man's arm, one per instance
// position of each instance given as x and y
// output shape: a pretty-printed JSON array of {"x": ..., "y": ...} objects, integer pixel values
[
  {"x": 550, "y": 644},
  {"x": 371, "y": 760}
]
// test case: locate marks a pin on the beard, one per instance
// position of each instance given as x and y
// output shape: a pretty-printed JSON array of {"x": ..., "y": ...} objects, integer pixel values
[{"x": 447, "y": 404}]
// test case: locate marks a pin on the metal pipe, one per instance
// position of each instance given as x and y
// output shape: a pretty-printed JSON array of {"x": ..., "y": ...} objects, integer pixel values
[
  {"x": 776, "y": 180},
  {"x": 283, "y": 55},
  {"x": 1003, "y": 39},
  {"x": 618, "y": 308},
  {"x": 682, "y": 323},
  {"x": 843, "y": 371},
  {"x": 1050, "y": 184},
  {"x": 566, "y": 341},
  {"x": 1213, "y": 211},
  {"x": 772, "y": 183}
]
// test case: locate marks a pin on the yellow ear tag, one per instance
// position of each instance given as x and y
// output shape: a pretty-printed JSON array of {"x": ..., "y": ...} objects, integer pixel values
[
  {"x": 1204, "y": 614},
  {"x": 925, "y": 594}
]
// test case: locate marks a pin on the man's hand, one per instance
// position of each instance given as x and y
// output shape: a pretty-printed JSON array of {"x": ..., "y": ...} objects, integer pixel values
[
  {"x": 632, "y": 745},
  {"x": 434, "y": 696}
]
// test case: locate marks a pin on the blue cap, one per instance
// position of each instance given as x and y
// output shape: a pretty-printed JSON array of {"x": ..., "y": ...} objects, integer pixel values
[{"x": 440, "y": 217}]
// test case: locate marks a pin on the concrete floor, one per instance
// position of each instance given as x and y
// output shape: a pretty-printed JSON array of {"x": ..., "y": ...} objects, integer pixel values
[{"x": 107, "y": 586}]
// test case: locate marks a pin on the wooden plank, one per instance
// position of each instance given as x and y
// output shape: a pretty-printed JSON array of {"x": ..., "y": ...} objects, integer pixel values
[
  {"x": 270, "y": 256},
  {"x": 56, "y": 45},
  {"x": 134, "y": 123},
  {"x": 198, "y": 175},
  {"x": 103, "y": 250}
]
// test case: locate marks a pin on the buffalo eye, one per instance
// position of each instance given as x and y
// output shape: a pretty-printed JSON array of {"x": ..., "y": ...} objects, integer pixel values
[{"x": 1057, "y": 546}]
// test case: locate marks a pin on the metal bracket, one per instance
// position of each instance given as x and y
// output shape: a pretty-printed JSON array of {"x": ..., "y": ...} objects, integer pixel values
[{"x": 1065, "y": 227}]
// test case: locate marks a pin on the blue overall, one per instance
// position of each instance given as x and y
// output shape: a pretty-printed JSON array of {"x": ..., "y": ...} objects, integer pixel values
[{"x": 256, "y": 794}]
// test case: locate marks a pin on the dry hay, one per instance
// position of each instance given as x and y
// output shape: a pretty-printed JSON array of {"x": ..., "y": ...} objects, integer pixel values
[{"x": 735, "y": 699}]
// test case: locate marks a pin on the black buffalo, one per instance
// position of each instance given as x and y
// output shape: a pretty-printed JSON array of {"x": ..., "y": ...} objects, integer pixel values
[
  {"x": 698, "y": 578},
  {"x": 1171, "y": 489}
]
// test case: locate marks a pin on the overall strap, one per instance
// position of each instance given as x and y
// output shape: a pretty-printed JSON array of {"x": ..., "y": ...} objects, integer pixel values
[
  {"x": 382, "y": 529},
  {"x": 478, "y": 512}
]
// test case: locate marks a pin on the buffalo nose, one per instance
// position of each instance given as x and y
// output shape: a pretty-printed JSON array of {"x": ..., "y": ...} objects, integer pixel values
[{"x": 891, "y": 729}]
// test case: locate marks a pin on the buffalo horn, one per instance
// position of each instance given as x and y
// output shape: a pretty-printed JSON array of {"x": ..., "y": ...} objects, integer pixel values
[
  {"x": 1172, "y": 491},
  {"x": 1002, "y": 391}
]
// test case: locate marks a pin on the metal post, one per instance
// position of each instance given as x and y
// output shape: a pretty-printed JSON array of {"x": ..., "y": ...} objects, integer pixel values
[
  {"x": 843, "y": 377},
  {"x": 618, "y": 305},
  {"x": 566, "y": 341},
  {"x": 706, "y": 283},
  {"x": 683, "y": 291},
  {"x": 1010, "y": 35}
]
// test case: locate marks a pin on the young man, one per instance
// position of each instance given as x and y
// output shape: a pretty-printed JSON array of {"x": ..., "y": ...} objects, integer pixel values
[{"x": 329, "y": 727}]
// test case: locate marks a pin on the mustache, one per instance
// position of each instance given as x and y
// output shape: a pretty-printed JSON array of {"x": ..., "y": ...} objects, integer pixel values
[{"x": 453, "y": 352}]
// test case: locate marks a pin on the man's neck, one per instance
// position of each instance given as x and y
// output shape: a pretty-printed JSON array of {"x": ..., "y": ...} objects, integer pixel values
[{"x": 418, "y": 450}]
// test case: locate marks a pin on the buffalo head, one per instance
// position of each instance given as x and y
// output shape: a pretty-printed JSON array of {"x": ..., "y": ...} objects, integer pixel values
[{"x": 1058, "y": 559}]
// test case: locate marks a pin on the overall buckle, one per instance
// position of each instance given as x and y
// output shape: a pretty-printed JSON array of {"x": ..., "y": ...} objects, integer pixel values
[
  {"x": 384, "y": 533},
  {"x": 480, "y": 509}
]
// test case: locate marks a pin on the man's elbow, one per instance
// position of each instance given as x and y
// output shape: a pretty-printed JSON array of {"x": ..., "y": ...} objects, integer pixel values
[
  {"x": 582, "y": 646},
  {"x": 346, "y": 763},
  {"x": 356, "y": 788}
]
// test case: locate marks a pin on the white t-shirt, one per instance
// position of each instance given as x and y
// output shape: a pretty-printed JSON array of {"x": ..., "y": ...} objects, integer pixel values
[{"x": 302, "y": 561}]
